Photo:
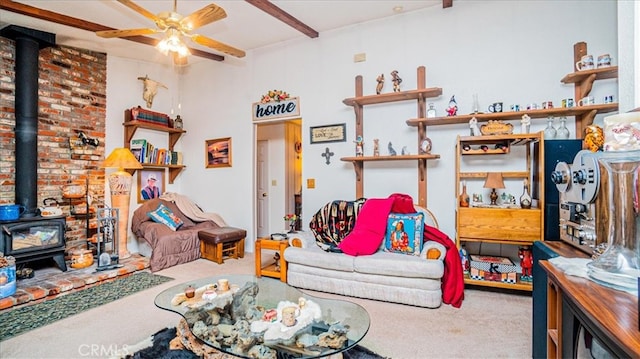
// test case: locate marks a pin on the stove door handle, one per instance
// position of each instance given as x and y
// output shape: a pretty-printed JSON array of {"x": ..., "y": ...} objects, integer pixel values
[{"x": 6, "y": 230}]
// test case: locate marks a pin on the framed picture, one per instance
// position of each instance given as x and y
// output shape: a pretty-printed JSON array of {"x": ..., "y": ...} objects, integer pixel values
[
  {"x": 218, "y": 152},
  {"x": 328, "y": 133},
  {"x": 150, "y": 183}
]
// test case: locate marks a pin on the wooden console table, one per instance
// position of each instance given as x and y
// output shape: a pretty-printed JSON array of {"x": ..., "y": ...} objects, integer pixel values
[{"x": 611, "y": 314}]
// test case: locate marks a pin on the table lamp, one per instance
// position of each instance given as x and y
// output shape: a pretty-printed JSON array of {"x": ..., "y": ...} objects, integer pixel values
[
  {"x": 493, "y": 181},
  {"x": 120, "y": 187}
]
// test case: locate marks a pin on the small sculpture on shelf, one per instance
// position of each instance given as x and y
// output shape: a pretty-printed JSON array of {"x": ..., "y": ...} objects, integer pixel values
[
  {"x": 177, "y": 122},
  {"x": 376, "y": 147},
  {"x": 473, "y": 127},
  {"x": 405, "y": 151},
  {"x": 526, "y": 263},
  {"x": 359, "y": 146},
  {"x": 396, "y": 81},
  {"x": 380, "y": 84},
  {"x": 392, "y": 152},
  {"x": 525, "y": 123},
  {"x": 452, "y": 110},
  {"x": 425, "y": 146}
]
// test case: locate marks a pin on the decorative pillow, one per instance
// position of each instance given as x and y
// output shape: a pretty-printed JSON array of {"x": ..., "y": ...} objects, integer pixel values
[
  {"x": 164, "y": 215},
  {"x": 404, "y": 233},
  {"x": 333, "y": 222},
  {"x": 368, "y": 232}
]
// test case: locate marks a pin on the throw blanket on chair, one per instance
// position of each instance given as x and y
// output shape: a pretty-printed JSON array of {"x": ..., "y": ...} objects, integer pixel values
[
  {"x": 191, "y": 210},
  {"x": 333, "y": 222}
]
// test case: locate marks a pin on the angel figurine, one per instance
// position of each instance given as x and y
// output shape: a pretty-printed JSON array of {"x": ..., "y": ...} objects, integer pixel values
[{"x": 380, "y": 84}]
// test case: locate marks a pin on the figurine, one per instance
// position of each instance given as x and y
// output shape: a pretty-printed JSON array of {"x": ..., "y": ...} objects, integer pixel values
[
  {"x": 150, "y": 89},
  {"x": 405, "y": 151},
  {"x": 376, "y": 147},
  {"x": 473, "y": 127},
  {"x": 392, "y": 152},
  {"x": 276, "y": 258},
  {"x": 594, "y": 138},
  {"x": 396, "y": 81},
  {"x": 525, "y": 123},
  {"x": 380, "y": 84},
  {"x": 526, "y": 263},
  {"x": 452, "y": 110},
  {"x": 359, "y": 146},
  {"x": 425, "y": 146}
]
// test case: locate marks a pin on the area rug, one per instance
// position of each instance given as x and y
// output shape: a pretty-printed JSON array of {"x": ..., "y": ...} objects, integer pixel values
[
  {"x": 157, "y": 346},
  {"x": 18, "y": 321}
]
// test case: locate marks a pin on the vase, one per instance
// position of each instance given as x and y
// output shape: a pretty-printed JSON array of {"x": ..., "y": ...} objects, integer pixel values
[
  {"x": 525, "y": 199},
  {"x": 562, "y": 132},
  {"x": 550, "y": 132},
  {"x": 464, "y": 197},
  {"x": 619, "y": 266}
]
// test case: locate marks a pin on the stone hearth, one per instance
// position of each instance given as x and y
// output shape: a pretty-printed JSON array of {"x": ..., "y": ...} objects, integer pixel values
[{"x": 49, "y": 283}]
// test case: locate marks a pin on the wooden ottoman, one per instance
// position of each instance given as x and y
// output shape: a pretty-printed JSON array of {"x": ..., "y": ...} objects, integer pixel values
[{"x": 222, "y": 242}]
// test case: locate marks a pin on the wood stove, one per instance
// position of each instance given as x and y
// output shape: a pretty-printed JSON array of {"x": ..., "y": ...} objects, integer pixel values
[{"x": 34, "y": 238}]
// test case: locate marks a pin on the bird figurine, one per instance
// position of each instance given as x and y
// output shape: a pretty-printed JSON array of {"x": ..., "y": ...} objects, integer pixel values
[
  {"x": 396, "y": 80},
  {"x": 392, "y": 152},
  {"x": 452, "y": 110},
  {"x": 405, "y": 151}
]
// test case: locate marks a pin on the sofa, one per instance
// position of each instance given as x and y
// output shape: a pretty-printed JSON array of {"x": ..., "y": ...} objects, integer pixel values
[
  {"x": 385, "y": 276},
  {"x": 164, "y": 246}
]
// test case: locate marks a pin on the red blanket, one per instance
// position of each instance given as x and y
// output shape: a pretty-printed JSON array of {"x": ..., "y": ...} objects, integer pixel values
[{"x": 453, "y": 278}]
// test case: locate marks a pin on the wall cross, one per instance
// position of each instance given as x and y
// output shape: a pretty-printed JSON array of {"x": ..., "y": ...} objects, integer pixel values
[{"x": 327, "y": 155}]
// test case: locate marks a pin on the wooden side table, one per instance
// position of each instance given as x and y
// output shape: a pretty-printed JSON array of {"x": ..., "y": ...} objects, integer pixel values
[{"x": 270, "y": 270}]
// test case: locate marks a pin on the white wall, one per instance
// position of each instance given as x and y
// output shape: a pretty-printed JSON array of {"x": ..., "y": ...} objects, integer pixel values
[{"x": 509, "y": 51}]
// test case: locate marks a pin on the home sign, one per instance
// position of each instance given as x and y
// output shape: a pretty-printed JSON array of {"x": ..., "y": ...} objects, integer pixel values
[{"x": 276, "y": 110}]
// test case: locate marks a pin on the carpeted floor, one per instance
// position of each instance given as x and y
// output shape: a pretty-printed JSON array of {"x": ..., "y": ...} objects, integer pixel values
[
  {"x": 160, "y": 349},
  {"x": 23, "y": 319}
]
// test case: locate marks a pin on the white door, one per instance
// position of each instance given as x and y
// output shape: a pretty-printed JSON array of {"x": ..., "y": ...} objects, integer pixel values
[{"x": 261, "y": 191}]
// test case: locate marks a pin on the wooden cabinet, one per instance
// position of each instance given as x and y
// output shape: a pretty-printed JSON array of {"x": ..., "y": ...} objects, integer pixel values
[
  {"x": 608, "y": 317},
  {"x": 506, "y": 224},
  {"x": 130, "y": 128},
  {"x": 420, "y": 95}
]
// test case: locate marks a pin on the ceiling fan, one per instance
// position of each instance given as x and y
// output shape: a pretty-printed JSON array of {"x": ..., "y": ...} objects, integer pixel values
[{"x": 175, "y": 27}]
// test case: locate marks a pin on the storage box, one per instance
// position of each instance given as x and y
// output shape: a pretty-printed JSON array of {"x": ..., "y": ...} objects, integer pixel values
[{"x": 493, "y": 268}]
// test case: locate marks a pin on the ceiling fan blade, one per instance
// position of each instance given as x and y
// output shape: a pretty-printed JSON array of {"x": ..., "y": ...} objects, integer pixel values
[
  {"x": 125, "y": 33},
  {"x": 216, "y": 45},
  {"x": 140, "y": 10},
  {"x": 204, "y": 16}
]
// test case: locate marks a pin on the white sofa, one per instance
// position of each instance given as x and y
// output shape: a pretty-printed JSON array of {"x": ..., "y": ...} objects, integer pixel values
[{"x": 384, "y": 276}]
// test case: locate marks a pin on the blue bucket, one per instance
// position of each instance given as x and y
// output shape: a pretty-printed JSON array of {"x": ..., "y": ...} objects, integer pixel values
[
  {"x": 9, "y": 212},
  {"x": 7, "y": 281}
]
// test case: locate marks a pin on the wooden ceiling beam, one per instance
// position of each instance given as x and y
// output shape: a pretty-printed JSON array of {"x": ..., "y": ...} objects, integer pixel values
[
  {"x": 271, "y": 9},
  {"x": 61, "y": 19},
  {"x": 447, "y": 3}
]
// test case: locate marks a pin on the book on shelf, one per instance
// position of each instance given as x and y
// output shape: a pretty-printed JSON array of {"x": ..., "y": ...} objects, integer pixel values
[
  {"x": 138, "y": 147},
  {"x": 176, "y": 158}
]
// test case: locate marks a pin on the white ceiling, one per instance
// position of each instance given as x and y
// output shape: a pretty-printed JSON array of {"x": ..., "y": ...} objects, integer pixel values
[{"x": 246, "y": 27}]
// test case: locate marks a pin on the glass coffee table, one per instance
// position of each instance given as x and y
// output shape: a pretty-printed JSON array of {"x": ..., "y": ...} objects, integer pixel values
[{"x": 252, "y": 317}]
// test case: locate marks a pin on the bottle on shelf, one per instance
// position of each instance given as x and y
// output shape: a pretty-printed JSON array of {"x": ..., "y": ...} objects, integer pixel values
[
  {"x": 464, "y": 197},
  {"x": 550, "y": 131},
  {"x": 431, "y": 112},
  {"x": 562, "y": 132},
  {"x": 525, "y": 199}
]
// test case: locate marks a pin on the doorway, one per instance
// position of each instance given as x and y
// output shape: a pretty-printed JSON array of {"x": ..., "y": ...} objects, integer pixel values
[{"x": 278, "y": 182}]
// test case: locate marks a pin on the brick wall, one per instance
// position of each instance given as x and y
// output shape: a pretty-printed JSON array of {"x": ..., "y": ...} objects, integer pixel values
[{"x": 72, "y": 98}]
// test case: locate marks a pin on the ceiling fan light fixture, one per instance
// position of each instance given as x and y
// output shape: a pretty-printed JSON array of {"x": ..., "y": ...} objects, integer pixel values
[{"x": 173, "y": 43}]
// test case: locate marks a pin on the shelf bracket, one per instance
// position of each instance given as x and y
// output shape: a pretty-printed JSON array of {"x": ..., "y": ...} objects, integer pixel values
[{"x": 587, "y": 84}]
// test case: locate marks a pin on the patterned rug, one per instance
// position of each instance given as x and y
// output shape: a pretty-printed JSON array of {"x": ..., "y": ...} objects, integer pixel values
[{"x": 18, "y": 321}]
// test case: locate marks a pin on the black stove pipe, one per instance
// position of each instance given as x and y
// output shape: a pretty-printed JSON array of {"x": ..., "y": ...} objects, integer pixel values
[{"x": 28, "y": 45}]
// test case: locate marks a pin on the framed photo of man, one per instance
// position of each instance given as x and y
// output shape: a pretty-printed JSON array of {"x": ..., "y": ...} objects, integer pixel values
[{"x": 150, "y": 184}]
